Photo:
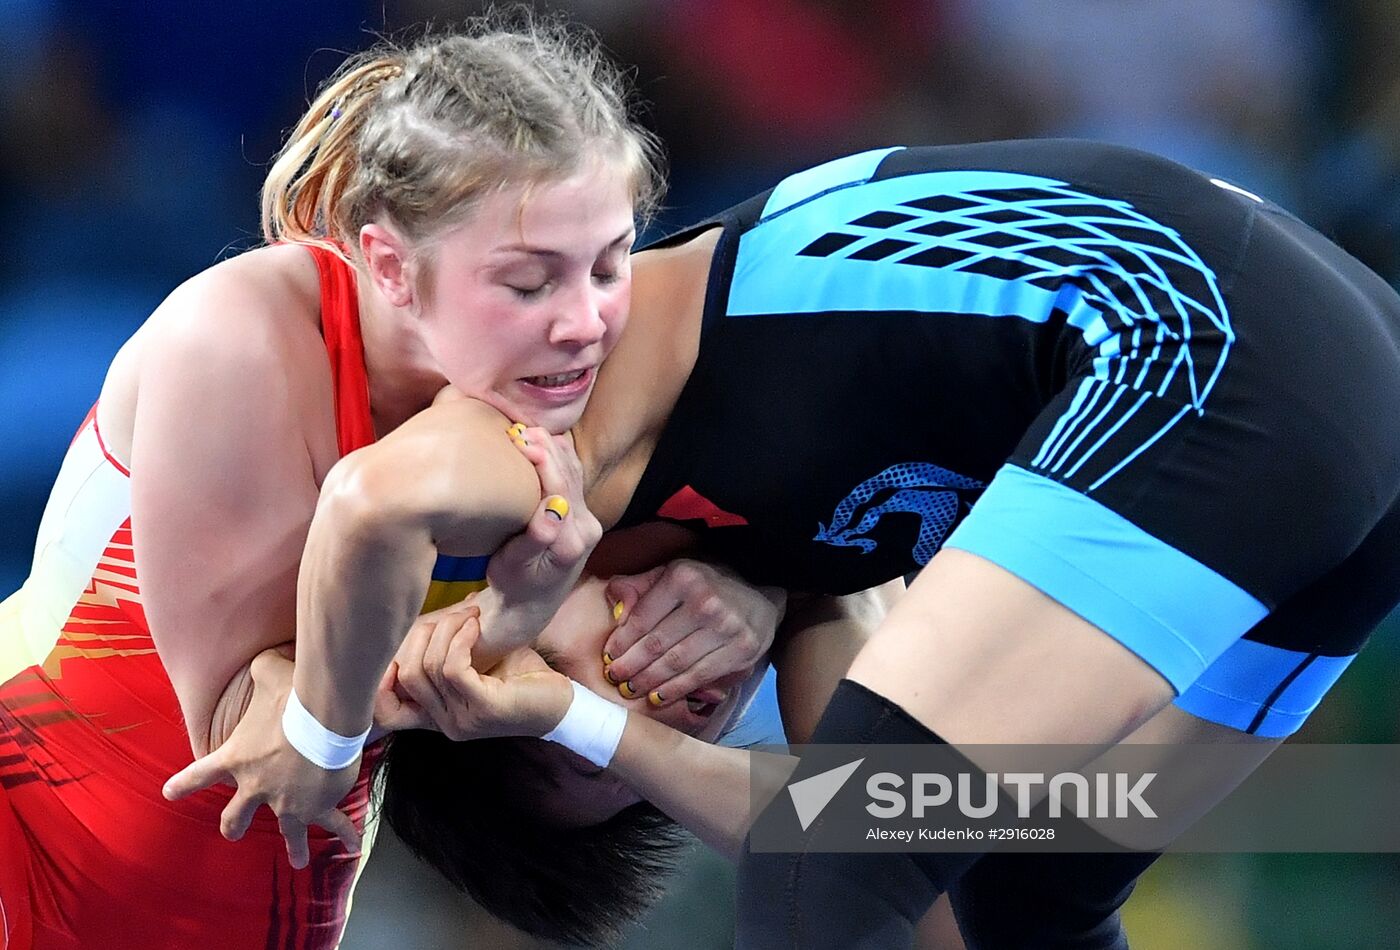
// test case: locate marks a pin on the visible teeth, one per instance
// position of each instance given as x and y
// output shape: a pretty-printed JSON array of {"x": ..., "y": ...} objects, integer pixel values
[{"x": 560, "y": 380}]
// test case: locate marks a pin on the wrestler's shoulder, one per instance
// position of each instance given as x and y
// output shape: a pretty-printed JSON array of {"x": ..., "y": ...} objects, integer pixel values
[{"x": 260, "y": 309}]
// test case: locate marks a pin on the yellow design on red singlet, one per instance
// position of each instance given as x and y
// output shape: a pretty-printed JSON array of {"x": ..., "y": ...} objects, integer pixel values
[{"x": 101, "y": 624}]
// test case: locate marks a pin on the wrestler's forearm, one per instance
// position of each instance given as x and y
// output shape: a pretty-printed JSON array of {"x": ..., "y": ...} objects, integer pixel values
[
  {"x": 506, "y": 626},
  {"x": 230, "y": 706},
  {"x": 703, "y": 787},
  {"x": 237, "y": 696},
  {"x": 363, "y": 579},
  {"x": 449, "y": 480}
]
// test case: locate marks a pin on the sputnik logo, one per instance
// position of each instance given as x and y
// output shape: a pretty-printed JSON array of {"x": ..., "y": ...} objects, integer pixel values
[{"x": 811, "y": 795}]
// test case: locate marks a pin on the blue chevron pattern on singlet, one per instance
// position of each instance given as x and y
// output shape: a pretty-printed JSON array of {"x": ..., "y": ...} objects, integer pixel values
[
  {"x": 1003, "y": 244},
  {"x": 918, "y": 488}
]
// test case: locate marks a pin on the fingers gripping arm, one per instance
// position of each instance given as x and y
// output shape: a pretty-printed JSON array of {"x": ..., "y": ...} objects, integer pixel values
[{"x": 710, "y": 789}]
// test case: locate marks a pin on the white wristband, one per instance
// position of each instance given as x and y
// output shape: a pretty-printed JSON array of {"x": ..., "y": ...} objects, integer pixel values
[
  {"x": 592, "y": 727},
  {"x": 330, "y": 750}
]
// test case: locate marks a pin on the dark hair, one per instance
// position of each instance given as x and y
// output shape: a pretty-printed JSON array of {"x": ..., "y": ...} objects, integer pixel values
[{"x": 459, "y": 807}]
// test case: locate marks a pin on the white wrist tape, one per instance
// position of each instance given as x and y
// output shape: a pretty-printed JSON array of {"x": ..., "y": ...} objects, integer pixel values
[
  {"x": 330, "y": 750},
  {"x": 592, "y": 727}
]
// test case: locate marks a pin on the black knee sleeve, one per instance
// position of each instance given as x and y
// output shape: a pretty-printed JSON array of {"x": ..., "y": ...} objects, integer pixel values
[
  {"x": 1047, "y": 901},
  {"x": 816, "y": 899}
]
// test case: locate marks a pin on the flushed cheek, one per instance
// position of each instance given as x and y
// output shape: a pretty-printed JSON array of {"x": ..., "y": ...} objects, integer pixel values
[{"x": 615, "y": 316}]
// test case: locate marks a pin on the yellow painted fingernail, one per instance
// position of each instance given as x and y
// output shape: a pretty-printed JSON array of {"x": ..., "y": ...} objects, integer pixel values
[
  {"x": 627, "y": 691},
  {"x": 558, "y": 506},
  {"x": 608, "y": 674},
  {"x": 517, "y": 430},
  {"x": 607, "y": 658},
  {"x": 654, "y": 697},
  {"x": 618, "y": 610}
]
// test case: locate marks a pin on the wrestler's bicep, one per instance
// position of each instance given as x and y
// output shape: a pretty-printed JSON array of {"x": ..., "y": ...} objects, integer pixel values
[
  {"x": 450, "y": 473},
  {"x": 223, "y": 488}
]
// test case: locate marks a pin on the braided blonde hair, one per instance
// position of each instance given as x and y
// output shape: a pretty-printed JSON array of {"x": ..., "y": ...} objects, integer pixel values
[{"x": 421, "y": 134}]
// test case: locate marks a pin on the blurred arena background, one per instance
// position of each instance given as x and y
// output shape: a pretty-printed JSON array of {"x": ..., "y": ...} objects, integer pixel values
[{"x": 134, "y": 136}]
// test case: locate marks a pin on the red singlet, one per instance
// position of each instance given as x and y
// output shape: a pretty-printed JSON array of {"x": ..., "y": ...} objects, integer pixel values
[{"x": 91, "y": 854}]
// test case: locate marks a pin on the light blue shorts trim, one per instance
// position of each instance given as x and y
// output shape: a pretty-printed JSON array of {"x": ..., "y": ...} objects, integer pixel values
[
  {"x": 1171, "y": 610},
  {"x": 1261, "y": 689}
]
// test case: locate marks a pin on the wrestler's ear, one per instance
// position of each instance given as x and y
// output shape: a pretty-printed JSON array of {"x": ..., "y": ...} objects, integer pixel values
[{"x": 387, "y": 258}]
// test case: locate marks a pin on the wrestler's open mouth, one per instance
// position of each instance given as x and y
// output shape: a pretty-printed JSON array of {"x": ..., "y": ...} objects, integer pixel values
[
  {"x": 558, "y": 389},
  {"x": 701, "y": 708},
  {"x": 704, "y": 702},
  {"x": 558, "y": 380}
]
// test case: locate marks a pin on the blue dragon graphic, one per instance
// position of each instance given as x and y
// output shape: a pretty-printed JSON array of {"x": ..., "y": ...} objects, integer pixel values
[{"x": 921, "y": 488}]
